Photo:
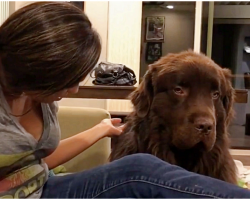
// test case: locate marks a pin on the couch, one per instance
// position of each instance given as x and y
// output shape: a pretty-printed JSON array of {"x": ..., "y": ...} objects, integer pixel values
[{"x": 74, "y": 120}]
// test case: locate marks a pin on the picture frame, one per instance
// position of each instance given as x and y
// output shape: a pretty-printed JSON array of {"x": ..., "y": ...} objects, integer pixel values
[
  {"x": 155, "y": 29},
  {"x": 153, "y": 52}
]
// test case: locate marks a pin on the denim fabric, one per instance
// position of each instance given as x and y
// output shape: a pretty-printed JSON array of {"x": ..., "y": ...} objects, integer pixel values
[{"x": 139, "y": 176}]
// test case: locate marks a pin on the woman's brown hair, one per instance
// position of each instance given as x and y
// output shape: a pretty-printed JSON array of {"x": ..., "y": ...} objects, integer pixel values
[{"x": 46, "y": 47}]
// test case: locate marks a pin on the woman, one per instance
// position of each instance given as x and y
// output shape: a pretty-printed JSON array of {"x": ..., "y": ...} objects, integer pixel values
[{"x": 46, "y": 49}]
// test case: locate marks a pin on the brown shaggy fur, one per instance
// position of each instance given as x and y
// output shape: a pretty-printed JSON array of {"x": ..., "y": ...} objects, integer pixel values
[{"x": 182, "y": 110}]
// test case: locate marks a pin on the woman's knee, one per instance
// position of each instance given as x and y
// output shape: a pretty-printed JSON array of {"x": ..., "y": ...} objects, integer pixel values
[{"x": 142, "y": 159}]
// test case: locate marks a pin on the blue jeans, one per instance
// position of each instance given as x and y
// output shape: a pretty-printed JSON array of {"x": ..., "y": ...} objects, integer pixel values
[{"x": 139, "y": 176}]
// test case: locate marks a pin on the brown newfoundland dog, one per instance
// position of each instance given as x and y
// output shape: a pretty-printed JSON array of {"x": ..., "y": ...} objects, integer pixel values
[{"x": 182, "y": 110}]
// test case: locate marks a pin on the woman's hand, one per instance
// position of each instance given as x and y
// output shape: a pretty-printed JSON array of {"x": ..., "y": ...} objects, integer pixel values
[
  {"x": 80, "y": 142},
  {"x": 110, "y": 127}
]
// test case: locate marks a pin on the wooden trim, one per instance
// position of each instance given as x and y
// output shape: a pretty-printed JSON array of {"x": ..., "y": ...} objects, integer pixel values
[
  {"x": 102, "y": 92},
  {"x": 197, "y": 26},
  {"x": 123, "y": 92}
]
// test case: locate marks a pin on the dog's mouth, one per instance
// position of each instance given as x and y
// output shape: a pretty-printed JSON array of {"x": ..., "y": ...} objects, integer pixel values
[
  {"x": 201, "y": 143},
  {"x": 199, "y": 147}
]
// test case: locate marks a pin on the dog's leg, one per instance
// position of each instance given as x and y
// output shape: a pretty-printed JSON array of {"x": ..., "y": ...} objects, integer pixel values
[
  {"x": 225, "y": 165},
  {"x": 218, "y": 164},
  {"x": 123, "y": 145},
  {"x": 227, "y": 168}
]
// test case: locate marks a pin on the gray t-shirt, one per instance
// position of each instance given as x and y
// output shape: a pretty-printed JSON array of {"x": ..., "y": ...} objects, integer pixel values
[{"x": 22, "y": 170}]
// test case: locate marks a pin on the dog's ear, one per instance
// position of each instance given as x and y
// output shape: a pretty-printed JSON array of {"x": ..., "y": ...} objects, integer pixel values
[
  {"x": 142, "y": 97},
  {"x": 228, "y": 99}
]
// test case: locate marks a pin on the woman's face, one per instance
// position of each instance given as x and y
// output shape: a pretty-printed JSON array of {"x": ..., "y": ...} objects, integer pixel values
[{"x": 56, "y": 96}]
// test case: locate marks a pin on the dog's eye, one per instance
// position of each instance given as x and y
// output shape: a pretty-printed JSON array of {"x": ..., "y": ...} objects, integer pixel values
[
  {"x": 178, "y": 90},
  {"x": 216, "y": 95}
]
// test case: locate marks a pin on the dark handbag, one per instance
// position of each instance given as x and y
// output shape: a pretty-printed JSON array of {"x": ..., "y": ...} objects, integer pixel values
[{"x": 113, "y": 74}]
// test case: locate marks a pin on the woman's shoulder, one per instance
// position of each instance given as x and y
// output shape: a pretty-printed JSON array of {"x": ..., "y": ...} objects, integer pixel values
[{"x": 54, "y": 107}]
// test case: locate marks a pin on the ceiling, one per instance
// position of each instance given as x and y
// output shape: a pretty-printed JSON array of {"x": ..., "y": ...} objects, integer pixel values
[
  {"x": 232, "y": 3},
  {"x": 187, "y": 6},
  {"x": 161, "y": 3},
  {"x": 178, "y": 6}
]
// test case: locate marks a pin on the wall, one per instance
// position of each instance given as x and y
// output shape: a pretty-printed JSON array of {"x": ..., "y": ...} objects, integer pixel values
[
  {"x": 20, "y": 4},
  {"x": 232, "y": 11},
  {"x": 120, "y": 43},
  {"x": 124, "y": 37},
  {"x": 100, "y": 23},
  {"x": 4, "y": 11},
  {"x": 179, "y": 31}
]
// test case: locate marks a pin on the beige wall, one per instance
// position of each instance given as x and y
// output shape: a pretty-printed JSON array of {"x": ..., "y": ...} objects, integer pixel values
[
  {"x": 120, "y": 43},
  {"x": 179, "y": 31},
  {"x": 97, "y": 11},
  {"x": 4, "y": 11},
  {"x": 124, "y": 35},
  {"x": 232, "y": 11},
  {"x": 119, "y": 25},
  {"x": 15, "y": 5},
  {"x": 19, "y": 4}
]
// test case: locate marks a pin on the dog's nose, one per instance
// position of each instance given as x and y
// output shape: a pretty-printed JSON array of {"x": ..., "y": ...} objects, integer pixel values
[{"x": 204, "y": 125}]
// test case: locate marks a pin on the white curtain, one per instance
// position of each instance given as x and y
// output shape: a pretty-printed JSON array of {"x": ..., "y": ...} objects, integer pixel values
[{"x": 4, "y": 10}]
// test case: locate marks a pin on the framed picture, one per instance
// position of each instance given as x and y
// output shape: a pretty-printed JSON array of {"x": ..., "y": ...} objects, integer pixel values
[
  {"x": 155, "y": 26},
  {"x": 153, "y": 51}
]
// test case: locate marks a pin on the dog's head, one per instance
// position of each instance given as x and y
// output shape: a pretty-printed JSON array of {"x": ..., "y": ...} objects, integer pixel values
[{"x": 190, "y": 96}]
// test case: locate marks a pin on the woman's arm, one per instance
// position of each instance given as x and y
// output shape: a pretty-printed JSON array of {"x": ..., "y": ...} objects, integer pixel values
[{"x": 72, "y": 146}]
